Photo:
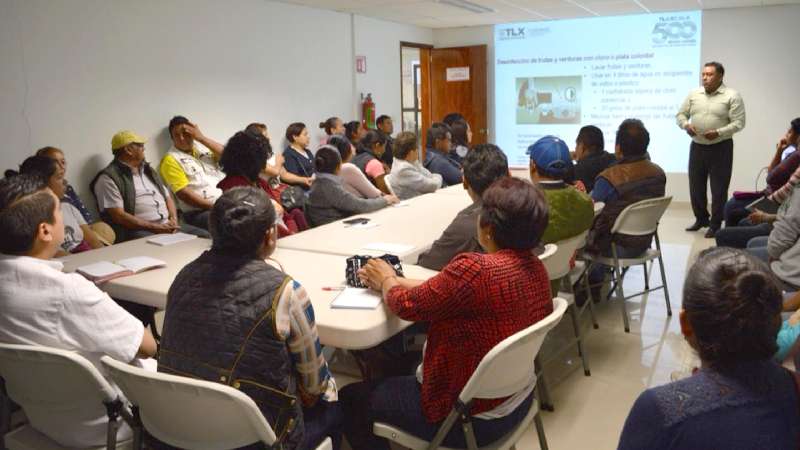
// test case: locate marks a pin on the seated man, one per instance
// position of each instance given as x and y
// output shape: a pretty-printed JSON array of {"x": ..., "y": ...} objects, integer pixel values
[
  {"x": 130, "y": 195},
  {"x": 385, "y": 126},
  {"x": 437, "y": 155},
  {"x": 408, "y": 178},
  {"x": 632, "y": 179},
  {"x": 192, "y": 173},
  {"x": 571, "y": 211},
  {"x": 483, "y": 165},
  {"x": 590, "y": 156},
  {"x": 271, "y": 351},
  {"x": 44, "y": 306}
]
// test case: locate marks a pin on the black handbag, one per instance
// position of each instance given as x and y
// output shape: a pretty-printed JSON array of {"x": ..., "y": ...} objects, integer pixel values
[
  {"x": 356, "y": 262},
  {"x": 293, "y": 197}
]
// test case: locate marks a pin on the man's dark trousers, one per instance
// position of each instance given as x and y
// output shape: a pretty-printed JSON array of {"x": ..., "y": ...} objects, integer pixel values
[{"x": 710, "y": 161}]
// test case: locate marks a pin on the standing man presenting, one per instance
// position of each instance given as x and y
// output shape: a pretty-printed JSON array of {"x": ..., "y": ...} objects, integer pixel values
[{"x": 711, "y": 115}]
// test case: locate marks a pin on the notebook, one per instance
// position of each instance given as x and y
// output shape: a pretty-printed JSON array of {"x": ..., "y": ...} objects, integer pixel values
[
  {"x": 103, "y": 271},
  {"x": 169, "y": 239},
  {"x": 356, "y": 298},
  {"x": 763, "y": 204}
]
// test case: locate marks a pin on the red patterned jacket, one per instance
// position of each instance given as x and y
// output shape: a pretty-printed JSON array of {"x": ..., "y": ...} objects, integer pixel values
[{"x": 473, "y": 304}]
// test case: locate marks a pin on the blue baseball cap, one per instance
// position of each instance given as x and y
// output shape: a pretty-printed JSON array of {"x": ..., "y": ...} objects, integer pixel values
[{"x": 551, "y": 156}]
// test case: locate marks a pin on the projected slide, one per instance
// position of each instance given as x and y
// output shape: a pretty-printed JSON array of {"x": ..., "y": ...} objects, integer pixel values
[{"x": 555, "y": 77}]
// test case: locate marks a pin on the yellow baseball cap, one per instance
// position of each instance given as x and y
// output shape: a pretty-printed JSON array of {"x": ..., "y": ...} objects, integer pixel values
[{"x": 123, "y": 138}]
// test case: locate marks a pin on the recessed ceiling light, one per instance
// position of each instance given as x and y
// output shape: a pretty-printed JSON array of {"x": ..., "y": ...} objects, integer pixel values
[{"x": 469, "y": 6}]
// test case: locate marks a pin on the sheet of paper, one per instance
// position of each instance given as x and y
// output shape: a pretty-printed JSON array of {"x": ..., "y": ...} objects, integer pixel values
[
  {"x": 140, "y": 263},
  {"x": 357, "y": 298},
  {"x": 388, "y": 247},
  {"x": 170, "y": 239}
]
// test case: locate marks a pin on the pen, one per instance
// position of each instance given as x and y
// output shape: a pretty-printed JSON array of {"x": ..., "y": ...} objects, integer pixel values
[{"x": 333, "y": 288}]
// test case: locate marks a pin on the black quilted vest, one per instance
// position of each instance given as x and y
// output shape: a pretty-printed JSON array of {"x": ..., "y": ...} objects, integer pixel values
[{"x": 220, "y": 326}]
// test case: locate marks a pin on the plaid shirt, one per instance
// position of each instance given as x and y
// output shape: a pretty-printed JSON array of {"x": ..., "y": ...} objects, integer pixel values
[
  {"x": 294, "y": 319},
  {"x": 782, "y": 194},
  {"x": 473, "y": 304}
]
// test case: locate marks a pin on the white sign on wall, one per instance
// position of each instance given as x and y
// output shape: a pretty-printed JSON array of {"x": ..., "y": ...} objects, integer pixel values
[{"x": 458, "y": 73}]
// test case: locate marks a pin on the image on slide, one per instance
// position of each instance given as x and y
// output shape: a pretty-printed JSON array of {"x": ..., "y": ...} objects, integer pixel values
[{"x": 547, "y": 100}]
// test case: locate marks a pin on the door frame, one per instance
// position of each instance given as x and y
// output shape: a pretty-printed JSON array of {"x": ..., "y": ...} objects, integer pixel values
[{"x": 425, "y": 84}]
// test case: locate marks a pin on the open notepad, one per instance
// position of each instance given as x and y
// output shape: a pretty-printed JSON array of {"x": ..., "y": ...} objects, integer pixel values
[
  {"x": 169, "y": 239},
  {"x": 103, "y": 271},
  {"x": 356, "y": 298}
]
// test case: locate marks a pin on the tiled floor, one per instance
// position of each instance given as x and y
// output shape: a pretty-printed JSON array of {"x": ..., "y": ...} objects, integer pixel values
[{"x": 590, "y": 411}]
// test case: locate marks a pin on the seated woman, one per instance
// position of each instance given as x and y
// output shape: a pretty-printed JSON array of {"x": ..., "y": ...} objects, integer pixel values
[
  {"x": 274, "y": 171},
  {"x": 474, "y": 303},
  {"x": 353, "y": 178},
  {"x": 232, "y": 318},
  {"x": 739, "y": 398},
  {"x": 333, "y": 126},
  {"x": 408, "y": 178},
  {"x": 368, "y": 159},
  {"x": 78, "y": 236},
  {"x": 244, "y": 158},
  {"x": 297, "y": 159},
  {"x": 462, "y": 139},
  {"x": 328, "y": 200},
  {"x": 354, "y": 131},
  {"x": 104, "y": 232}
]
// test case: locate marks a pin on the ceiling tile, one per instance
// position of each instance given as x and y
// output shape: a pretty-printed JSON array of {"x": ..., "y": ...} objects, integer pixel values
[
  {"x": 713, "y": 4},
  {"x": 433, "y": 14},
  {"x": 615, "y": 8}
]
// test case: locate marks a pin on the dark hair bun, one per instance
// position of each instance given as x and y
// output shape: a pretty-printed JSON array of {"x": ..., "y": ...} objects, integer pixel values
[
  {"x": 322, "y": 124},
  {"x": 757, "y": 288}
]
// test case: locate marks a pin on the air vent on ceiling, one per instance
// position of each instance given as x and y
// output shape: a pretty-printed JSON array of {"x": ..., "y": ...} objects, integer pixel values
[{"x": 469, "y": 6}]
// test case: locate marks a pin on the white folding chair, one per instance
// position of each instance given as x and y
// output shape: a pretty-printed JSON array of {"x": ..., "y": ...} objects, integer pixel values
[
  {"x": 188, "y": 413},
  {"x": 558, "y": 268},
  {"x": 42, "y": 380},
  {"x": 638, "y": 219},
  {"x": 505, "y": 370}
]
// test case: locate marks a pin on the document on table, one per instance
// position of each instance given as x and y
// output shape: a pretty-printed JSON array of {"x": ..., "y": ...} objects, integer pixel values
[
  {"x": 169, "y": 239},
  {"x": 357, "y": 298},
  {"x": 388, "y": 247}
]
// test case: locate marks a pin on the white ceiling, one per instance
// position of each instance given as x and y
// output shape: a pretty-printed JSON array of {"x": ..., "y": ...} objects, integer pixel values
[{"x": 433, "y": 14}]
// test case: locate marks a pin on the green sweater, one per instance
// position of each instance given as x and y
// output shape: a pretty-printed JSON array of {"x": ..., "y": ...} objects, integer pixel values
[{"x": 571, "y": 212}]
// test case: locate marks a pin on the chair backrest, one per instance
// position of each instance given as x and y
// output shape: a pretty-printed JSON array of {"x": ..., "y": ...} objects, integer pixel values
[
  {"x": 549, "y": 251},
  {"x": 508, "y": 367},
  {"x": 44, "y": 380},
  {"x": 558, "y": 265},
  {"x": 641, "y": 218},
  {"x": 388, "y": 182},
  {"x": 189, "y": 413},
  {"x": 598, "y": 208}
]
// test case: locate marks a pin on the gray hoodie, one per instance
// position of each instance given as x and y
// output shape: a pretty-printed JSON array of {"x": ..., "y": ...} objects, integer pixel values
[
  {"x": 783, "y": 245},
  {"x": 328, "y": 201}
]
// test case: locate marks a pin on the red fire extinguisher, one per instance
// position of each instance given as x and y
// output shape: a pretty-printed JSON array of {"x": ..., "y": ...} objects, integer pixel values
[{"x": 368, "y": 112}]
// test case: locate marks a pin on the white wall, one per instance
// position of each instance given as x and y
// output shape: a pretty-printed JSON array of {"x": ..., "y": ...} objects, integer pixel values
[
  {"x": 72, "y": 73},
  {"x": 378, "y": 41},
  {"x": 755, "y": 45}
]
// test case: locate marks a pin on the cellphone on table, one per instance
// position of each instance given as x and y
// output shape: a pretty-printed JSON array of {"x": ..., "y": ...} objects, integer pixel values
[{"x": 356, "y": 221}]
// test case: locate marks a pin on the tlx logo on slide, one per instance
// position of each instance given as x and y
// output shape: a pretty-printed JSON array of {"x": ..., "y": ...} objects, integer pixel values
[{"x": 512, "y": 33}]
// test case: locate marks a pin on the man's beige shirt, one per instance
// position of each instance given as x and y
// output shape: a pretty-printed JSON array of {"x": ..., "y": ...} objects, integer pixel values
[{"x": 721, "y": 110}]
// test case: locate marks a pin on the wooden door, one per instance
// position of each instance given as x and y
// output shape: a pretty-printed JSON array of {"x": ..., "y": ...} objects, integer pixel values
[{"x": 458, "y": 84}]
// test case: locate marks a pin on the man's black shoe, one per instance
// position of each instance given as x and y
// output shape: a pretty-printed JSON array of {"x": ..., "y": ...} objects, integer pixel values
[
  {"x": 697, "y": 225},
  {"x": 711, "y": 232}
]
